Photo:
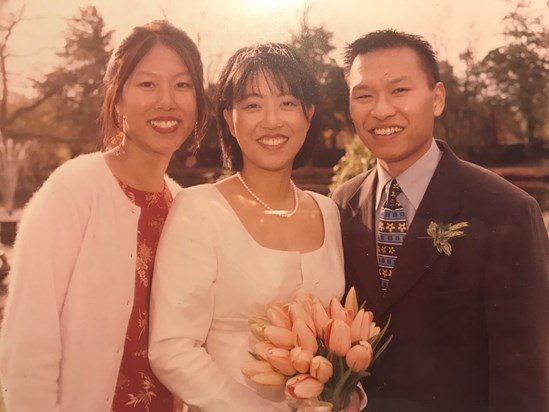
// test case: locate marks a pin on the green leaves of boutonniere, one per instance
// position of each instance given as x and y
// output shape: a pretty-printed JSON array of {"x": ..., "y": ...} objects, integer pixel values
[{"x": 443, "y": 234}]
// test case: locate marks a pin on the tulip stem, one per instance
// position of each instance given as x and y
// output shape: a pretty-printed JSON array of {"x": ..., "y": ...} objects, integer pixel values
[{"x": 338, "y": 399}]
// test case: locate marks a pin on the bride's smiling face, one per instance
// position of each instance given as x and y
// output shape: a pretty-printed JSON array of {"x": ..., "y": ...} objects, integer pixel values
[{"x": 269, "y": 123}]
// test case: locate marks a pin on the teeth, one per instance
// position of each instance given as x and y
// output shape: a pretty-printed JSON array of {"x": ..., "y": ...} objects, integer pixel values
[
  {"x": 163, "y": 124},
  {"x": 387, "y": 130},
  {"x": 272, "y": 141}
]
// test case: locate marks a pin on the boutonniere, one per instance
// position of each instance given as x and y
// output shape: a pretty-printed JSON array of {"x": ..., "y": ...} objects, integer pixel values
[{"x": 443, "y": 234}]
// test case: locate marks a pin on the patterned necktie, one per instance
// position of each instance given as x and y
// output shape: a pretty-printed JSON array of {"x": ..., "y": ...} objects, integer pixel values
[{"x": 391, "y": 233}]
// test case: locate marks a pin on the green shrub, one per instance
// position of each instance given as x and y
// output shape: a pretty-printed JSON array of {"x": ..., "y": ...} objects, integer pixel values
[{"x": 357, "y": 159}]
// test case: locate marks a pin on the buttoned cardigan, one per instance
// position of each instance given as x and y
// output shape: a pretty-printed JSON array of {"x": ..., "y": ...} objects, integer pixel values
[{"x": 70, "y": 292}]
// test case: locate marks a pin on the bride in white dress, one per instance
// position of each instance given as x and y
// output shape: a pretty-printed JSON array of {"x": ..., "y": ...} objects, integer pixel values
[{"x": 230, "y": 249}]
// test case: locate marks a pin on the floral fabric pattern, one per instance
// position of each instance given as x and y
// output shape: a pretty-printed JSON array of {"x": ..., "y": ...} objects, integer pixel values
[{"x": 138, "y": 389}]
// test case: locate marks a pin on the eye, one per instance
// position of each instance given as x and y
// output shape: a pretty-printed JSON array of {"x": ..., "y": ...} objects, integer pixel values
[
  {"x": 289, "y": 103},
  {"x": 183, "y": 85},
  {"x": 399, "y": 90},
  {"x": 251, "y": 106},
  {"x": 146, "y": 84},
  {"x": 362, "y": 96}
]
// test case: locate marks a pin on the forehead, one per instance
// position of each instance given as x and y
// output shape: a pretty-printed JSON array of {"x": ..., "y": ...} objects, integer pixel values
[
  {"x": 161, "y": 58},
  {"x": 264, "y": 81},
  {"x": 386, "y": 65}
]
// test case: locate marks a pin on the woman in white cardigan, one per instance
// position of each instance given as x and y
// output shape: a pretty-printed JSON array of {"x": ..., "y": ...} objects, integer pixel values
[{"x": 75, "y": 330}]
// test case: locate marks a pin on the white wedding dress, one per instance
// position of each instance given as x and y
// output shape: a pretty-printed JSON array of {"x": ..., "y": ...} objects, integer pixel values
[{"x": 210, "y": 277}]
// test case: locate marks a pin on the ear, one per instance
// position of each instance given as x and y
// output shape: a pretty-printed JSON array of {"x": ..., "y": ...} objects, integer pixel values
[
  {"x": 440, "y": 99},
  {"x": 228, "y": 116},
  {"x": 310, "y": 110},
  {"x": 119, "y": 110}
]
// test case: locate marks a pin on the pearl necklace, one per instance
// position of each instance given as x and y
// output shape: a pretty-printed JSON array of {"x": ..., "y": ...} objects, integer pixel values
[{"x": 279, "y": 213}]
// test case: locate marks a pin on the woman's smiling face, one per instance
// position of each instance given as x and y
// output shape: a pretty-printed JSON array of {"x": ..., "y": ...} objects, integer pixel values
[
  {"x": 269, "y": 124},
  {"x": 158, "y": 102}
]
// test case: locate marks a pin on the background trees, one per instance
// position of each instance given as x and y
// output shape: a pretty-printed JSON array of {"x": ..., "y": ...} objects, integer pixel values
[
  {"x": 497, "y": 101},
  {"x": 516, "y": 75},
  {"x": 75, "y": 85}
]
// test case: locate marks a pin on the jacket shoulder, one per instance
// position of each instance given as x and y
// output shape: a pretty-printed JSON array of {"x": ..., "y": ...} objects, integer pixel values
[{"x": 342, "y": 194}]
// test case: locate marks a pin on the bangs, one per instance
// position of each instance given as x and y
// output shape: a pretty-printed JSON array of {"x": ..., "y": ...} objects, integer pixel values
[{"x": 281, "y": 75}]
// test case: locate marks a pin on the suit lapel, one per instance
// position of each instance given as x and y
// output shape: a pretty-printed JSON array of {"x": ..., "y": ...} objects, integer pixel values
[
  {"x": 441, "y": 203},
  {"x": 360, "y": 242}
]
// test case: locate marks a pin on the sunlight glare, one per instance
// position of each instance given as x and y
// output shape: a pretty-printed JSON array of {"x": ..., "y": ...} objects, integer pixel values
[{"x": 270, "y": 5}]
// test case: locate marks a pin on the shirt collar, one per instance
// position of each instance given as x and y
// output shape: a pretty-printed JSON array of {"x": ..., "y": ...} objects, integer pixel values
[{"x": 414, "y": 180}]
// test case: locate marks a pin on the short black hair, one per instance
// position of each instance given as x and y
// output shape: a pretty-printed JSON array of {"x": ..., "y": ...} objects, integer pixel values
[
  {"x": 288, "y": 71},
  {"x": 391, "y": 39}
]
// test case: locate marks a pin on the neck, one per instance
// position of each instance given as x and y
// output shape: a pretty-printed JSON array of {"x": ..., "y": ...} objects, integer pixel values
[
  {"x": 272, "y": 187},
  {"x": 137, "y": 168}
]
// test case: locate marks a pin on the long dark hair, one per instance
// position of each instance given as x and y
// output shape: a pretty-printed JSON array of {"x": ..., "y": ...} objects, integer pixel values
[{"x": 128, "y": 55}]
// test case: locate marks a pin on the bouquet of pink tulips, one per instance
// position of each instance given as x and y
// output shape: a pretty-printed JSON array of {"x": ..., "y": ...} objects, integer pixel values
[{"x": 319, "y": 353}]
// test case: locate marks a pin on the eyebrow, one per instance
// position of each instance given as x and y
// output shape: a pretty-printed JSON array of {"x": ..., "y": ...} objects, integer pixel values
[
  {"x": 256, "y": 94},
  {"x": 361, "y": 87},
  {"x": 399, "y": 79},
  {"x": 147, "y": 73}
]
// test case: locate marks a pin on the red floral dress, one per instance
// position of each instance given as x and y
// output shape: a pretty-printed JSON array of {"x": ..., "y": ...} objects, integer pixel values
[{"x": 138, "y": 389}]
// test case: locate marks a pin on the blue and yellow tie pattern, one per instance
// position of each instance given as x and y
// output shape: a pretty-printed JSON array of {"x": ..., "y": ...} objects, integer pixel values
[{"x": 391, "y": 233}]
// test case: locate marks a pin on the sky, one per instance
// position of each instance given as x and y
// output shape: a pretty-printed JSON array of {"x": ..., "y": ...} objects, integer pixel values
[{"x": 222, "y": 26}]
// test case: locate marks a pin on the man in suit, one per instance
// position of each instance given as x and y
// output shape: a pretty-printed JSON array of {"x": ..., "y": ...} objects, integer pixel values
[{"x": 469, "y": 319}]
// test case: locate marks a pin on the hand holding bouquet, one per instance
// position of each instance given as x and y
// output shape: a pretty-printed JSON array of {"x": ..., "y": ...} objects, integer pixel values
[{"x": 319, "y": 353}]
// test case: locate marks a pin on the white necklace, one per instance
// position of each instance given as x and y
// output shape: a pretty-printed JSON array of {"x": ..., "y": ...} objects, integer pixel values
[{"x": 279, "y": 213}]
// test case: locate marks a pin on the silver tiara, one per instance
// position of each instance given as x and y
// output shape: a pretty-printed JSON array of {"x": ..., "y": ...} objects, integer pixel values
[{"x": 267, "y": 48}]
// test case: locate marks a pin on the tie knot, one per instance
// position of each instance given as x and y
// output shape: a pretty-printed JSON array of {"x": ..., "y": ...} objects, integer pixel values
[{"x": 394, "y": 191}]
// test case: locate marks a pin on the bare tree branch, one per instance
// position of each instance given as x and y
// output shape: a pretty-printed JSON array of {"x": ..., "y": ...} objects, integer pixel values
[
  {"x": 26, "y": 109},
  {"x": 6, "y": 31}
]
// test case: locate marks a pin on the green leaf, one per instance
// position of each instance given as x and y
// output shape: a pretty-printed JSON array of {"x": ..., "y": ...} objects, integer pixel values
[{"x": 383, "y": 347}]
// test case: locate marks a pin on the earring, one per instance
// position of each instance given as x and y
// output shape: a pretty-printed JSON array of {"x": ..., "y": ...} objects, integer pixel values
[
  {"x": 120, "y": 150},
  {"x": 120, "y": 139}
]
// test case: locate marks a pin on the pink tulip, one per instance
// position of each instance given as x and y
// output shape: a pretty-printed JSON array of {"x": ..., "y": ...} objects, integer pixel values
[
  {"x": 349, "y": 316},
  {"x": 280, "y": 337},
  {"x": 338, "y": 336},
  {"x": 256, "y": 326},
  {"x": 254, "y": 367},
  {"x": 374, "y": 330},
  {"x": 303, "y": 386},
  {"x": 360, "y": 328},
  {"x": 280, "y": 361},
  {"x": 321, "y": 368},
  {"x": 297, "y": 312},
  {"x": 335, "y": 310},
  {"x": 261, "y": 349},
  {"x": 269, "y": 378},
  {"x": 303, "y": 336},
  {"x": 351, "y": 301},
  {"x": 301, "y": 359},
  {"x": 358, "y": 358},
  {"x": 320, "y": 318},
  {"x": 263, "y": 373},
  {"x": 306, "y": 300},
  {"x": 279, "y": 315}
]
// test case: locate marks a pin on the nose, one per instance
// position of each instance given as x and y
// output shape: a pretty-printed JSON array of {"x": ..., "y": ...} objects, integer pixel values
[
  {"x": 271, "y": 117},
  {"x": 383, "y": 107},
  {"x": 166, "y": 99}
]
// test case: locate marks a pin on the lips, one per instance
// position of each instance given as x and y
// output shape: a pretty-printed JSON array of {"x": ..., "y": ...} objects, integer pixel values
[
  {"x": 164, "y": 125},
  {"x": 272, "y": 141}
]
